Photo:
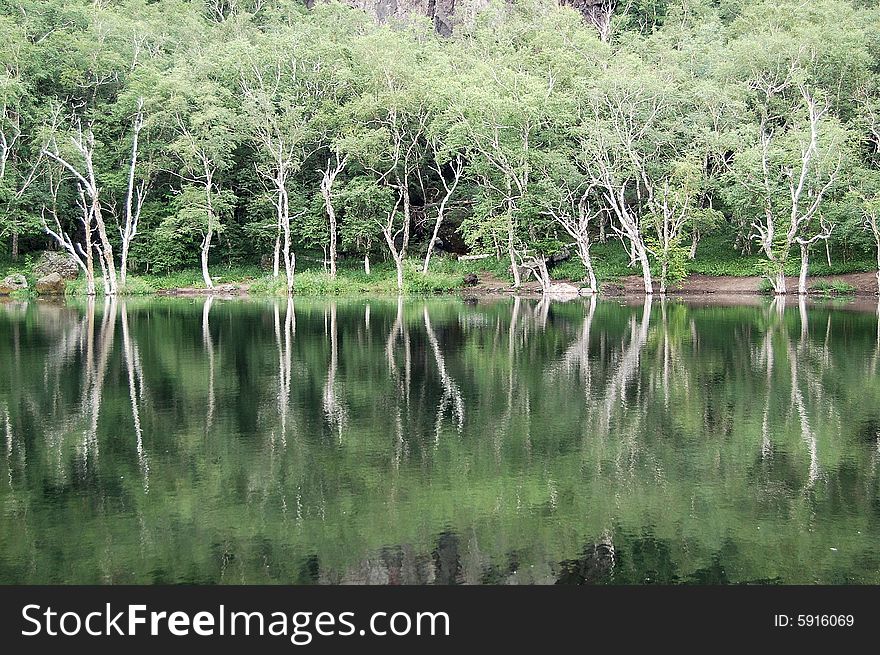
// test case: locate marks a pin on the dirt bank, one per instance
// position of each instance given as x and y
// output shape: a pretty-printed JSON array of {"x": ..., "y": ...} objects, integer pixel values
[{"x": 865, "y": 284}]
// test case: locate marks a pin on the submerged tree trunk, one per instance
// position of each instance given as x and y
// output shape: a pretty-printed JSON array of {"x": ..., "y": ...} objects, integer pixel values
[
  {"x": 398, "y": 261},
  {"x": 289, "y": 255}
]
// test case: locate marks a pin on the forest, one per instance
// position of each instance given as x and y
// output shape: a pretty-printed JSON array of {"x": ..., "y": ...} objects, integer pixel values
[{"x": 305, "y": 142}]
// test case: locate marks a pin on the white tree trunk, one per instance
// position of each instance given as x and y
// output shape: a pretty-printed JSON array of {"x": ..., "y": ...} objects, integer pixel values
[
  {"x": 328, "y": 177},
  {"x": 587, "y": 261},
  {"x": 366, "y": 263},
  {"x": 132, "y": 211},
  {"x": 778, "y": 282},
  {"x": 398, "y": 262},
  {"x": 206, "y": 247},
  {"x": 805, "y": 267},
  {"x": 642, "y": 255},
  {"x": 695, "y": 240},
  {"x": 878, "y": 266}
]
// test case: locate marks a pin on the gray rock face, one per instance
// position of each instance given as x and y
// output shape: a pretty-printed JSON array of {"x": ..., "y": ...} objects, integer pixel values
[
  {"x": 56, "y": 262},
  {"x": 439, "y": 11},
  {"x": 10, "y": 283},
  {"x": 51, "y": 285},
  {"x": 445, "y": 14}
]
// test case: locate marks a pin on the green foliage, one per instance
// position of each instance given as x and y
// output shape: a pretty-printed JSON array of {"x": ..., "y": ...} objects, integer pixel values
[
  {"x": 672, "y": 111},
  {"x": 832, "y": 288}
]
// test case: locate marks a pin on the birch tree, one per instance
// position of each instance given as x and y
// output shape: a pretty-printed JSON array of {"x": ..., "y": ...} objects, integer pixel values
[
  {"x": 790, "y": 172},
  {"x": 334, "y": 166},
  {"x": 872, "y": 224},
  {"x": 624, "y": 131},
  {"x": 501, "y": 123},
  {"x": 135, "y": 194},
  {"x": 78, "y": 159},
  {"x": 206, "y": 137},
  {"x": 277, "y": 127},
  {"x": 574, "y": 206},
  {"x": 390, "y": 123},
  {"x": 80, "y": 252}
]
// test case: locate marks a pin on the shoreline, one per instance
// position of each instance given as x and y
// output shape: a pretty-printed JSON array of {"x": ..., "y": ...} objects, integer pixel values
[{"x": 698, "y": 286}]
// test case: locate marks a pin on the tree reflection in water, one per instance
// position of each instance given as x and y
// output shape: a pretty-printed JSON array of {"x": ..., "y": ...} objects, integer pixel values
[{"x": 434, "y": 441}]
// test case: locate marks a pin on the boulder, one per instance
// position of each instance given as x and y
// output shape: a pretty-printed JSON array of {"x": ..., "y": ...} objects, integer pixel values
[
  {"x": 51, "y": 285},
  {"x": 51, "y": 261},
  {"x": 561, "y": 289},
  {"x": 14, "y": 282},
  {"x": 471, "y": 280}
]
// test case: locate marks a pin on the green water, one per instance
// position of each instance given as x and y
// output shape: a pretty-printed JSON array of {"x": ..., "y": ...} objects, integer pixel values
[{"x": 435, "y": 441}]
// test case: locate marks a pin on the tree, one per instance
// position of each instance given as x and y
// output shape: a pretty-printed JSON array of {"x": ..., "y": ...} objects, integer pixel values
[
  {"x": 790, "y": 172},
  {"x": 628, "y": 142},
  {"x": 135, "y": 194},
  {"x": 389, "y": 125},
  {"x": 277, "y": 126},
  {"x": 872, "y": 224},
  {"x": 574, "y": 205},
  {"x": 671, "y": 208},
  {"x": 81, "y": 253},
  {"x": 501, "y": 122},
  {"x": 80, "y": 163},
  {"x": 206, "y": 137},
  {"x": 329, "y": 173}
]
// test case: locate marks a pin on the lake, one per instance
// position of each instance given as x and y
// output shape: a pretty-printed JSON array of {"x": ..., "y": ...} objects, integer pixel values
[{"x": 434, "y": 441}]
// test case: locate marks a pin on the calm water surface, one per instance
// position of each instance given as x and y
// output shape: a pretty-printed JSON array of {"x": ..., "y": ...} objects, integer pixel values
[{"x": 434, "y": 441}]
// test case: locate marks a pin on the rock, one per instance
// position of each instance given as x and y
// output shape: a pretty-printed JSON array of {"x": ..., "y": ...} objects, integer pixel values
[
  {"x": 51, "y": 261},
  {"x": 561, "y": 289},
  {"x": 471, "y": 280},
  {"x": 14, "y": 282},
  {"x": 51, "y": 285}
]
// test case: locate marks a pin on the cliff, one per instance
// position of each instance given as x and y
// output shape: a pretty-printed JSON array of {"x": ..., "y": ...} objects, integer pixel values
[{"x": 445, "y": 14}]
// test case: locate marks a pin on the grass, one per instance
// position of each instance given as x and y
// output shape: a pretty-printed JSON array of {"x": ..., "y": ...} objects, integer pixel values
[
  {"x": 832, "y": 288},
  {"x": 442, "y": 278}
]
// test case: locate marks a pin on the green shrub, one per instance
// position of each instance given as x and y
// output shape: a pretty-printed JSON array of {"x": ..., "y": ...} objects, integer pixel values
[
  {"x": 832, "y": 288},
  {"x": 765, "y": 286}
]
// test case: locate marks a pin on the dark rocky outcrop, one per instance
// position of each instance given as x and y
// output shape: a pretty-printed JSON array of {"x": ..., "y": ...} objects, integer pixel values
[
  {"x": 445, "y": 14},
  {"x": 61, "y": 263}
]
